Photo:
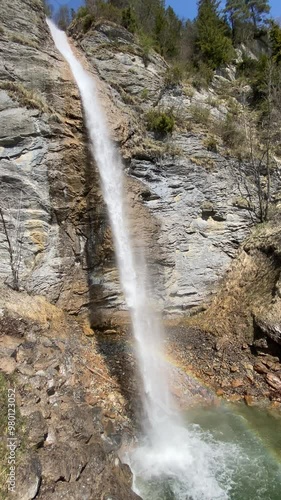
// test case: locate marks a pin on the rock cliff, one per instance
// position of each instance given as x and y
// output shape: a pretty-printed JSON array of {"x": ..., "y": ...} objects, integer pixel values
[
  {"x": 182, "y": 197},
  {"x": 188, "y": 194},
  {"x": 186, "y": 209},
  {"x": 43, "y": 160}
]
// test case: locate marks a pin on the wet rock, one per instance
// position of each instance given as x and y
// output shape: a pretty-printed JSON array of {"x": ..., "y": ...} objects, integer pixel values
[
  {"x": 248, "y": 400},
  {"x": 273, "y": 381},
  {"x": 83, "y": 422},
  {"x": 62, "y": 431}
]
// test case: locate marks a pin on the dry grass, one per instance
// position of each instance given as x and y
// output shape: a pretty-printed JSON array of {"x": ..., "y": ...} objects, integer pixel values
[
  {"x": 248, "y": 287},
  {"x": 22, "y": 40},
  {"x": 156, "y": 149},
  {"x": 24, "y": 96},
  {"x": 200, "y": 115},
  {"x": 56, "y": 117}
]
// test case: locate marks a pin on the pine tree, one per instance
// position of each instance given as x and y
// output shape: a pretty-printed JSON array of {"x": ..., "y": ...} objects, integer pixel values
[
  {"x": 173, "y": 33},
  {"x": 214, "y": 46},
  {"x": 129, "y": 20},
  {"x": 275, "y": 42},
  {"x": 238, "y": 14},
  {"x": 258, "y": 10}
]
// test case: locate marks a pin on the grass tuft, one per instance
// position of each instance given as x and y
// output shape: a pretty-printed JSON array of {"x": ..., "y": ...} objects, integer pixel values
[{"x": 24, "y": 96}]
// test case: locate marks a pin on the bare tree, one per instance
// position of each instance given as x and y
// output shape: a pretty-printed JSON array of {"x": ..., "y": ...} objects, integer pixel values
[
  {"x": 261, "y": 138},
  {"x": 63, "y": 17},
  {"x": 13, "y": 236}
]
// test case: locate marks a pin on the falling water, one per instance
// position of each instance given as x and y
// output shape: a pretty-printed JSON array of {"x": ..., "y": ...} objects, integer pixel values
[{"x": 194, "y": 466}]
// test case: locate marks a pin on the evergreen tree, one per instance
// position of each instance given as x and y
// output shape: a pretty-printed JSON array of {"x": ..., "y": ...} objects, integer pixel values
[
  {"x": 121, "y": 4},
  {"x": 173, "y": 31},
  {"x": 258, "y": 10},
  {"x": 238, "y": 15},
  {"x": 129, "y": 20},
  {"x": 275, "y": 42},
  {"x": 213, "y": 45}
]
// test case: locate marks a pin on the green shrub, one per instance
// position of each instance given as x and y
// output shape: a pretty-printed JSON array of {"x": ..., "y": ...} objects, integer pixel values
[
  {"x": 87, "y": 22},
  {"x": 202, "y": 75},
  {"x": 231, "y": 133},
  {"x": 213, "y": 45},
  {"x": 129, "y": 20},
  {"x": 200, "y": 115},
  {"x": 247, "y": 67},
  {"x": 82, "y": 12},
  {"x": 144, "y": 94},
  {"x": 275, "y": 42},
  {"x": 160, "y": 122},
  {"x": 211, "y": 144},
  {"x": 147, "y": 44},
  {"x": 173, "y": 76}
]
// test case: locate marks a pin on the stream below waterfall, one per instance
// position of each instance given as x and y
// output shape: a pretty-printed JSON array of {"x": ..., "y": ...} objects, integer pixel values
[{"x": 251, "y": 472}]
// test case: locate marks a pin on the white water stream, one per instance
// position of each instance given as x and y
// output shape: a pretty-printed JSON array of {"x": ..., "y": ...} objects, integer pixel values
[{"x": 195, "y": 466}]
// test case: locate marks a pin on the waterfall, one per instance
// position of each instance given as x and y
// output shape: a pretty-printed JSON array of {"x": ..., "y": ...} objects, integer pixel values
[{"x": 191, "y": 461}]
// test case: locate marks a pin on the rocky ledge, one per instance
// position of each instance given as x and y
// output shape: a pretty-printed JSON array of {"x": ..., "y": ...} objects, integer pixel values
[{"x": 70, "y": 413}]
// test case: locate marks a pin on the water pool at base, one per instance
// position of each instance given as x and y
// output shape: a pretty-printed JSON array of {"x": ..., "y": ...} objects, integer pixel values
[{"x": 251, "y": 471}]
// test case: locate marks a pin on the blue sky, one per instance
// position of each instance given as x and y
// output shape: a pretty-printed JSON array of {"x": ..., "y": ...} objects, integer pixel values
[
  {"x": 184, "y": 8},
  {"x": 188, "y": 8}
]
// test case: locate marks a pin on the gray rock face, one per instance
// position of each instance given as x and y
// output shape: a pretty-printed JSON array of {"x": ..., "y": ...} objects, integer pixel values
[
  {"x": 47, "y": 186},
  {"x": 188, "y": 196},
  {"x": 182, "y": 199},
  {"x": 122, "y": 63},
  {"x": 200, "y": 226},
  {"x": 25, "y": 144}
]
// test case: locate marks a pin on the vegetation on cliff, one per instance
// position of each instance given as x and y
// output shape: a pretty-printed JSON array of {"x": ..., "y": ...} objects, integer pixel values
[{"x": 240, "y": 36}]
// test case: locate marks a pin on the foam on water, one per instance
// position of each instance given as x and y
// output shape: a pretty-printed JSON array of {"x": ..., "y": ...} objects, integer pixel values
[{"x": 189, "y": 462}]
